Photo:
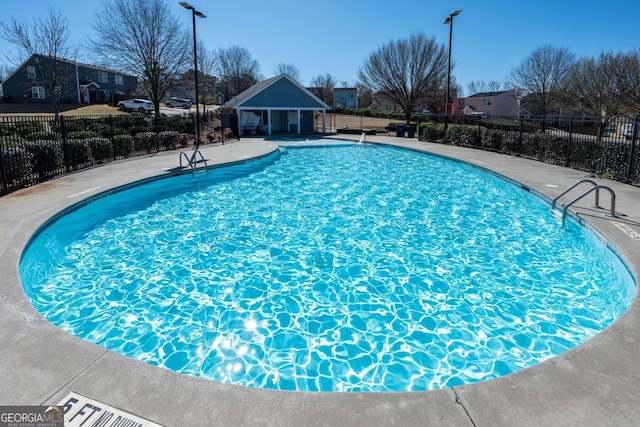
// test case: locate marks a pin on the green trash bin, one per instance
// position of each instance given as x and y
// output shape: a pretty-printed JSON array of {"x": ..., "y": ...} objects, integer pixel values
[{"x": 411, "y": 131}]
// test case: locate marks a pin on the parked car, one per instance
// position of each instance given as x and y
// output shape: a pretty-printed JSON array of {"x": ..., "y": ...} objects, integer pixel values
[
  {"x": 178, "y": 102},
  {"x": 141, "y": 105},
  {"x": 626, "y": 130}
]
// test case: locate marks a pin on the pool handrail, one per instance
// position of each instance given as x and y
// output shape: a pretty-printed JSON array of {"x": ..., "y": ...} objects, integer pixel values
[
  {"x": 597, "y": 205},
  {"x": 596, "y": 189}
]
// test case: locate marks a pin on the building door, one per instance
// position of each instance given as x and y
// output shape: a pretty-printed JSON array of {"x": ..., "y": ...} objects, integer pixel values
[{"x": 292, "y": 122}]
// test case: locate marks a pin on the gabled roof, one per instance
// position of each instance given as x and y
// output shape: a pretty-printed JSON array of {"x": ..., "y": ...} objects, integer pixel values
[
  {"x": 67, "y": 61},
  {"x": 277, "y": 92},
  {"x": 487, "y": 94}
]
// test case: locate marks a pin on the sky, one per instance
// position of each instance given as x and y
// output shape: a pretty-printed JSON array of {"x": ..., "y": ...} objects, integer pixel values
[{"x": 490, "y": 37}]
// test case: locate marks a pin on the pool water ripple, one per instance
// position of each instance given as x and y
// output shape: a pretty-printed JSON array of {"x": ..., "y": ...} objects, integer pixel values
[{"x": 343, "y": 268}]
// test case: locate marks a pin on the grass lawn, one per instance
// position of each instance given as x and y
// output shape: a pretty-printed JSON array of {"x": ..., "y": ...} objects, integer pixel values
[{"x": 87, "y": 110}]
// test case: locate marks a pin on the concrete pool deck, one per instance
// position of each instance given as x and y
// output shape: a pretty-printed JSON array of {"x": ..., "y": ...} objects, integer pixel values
[{"x": 597, "y": 383}]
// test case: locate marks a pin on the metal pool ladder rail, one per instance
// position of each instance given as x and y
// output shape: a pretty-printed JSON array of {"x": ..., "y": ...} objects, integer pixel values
[
  {"x": 193, "y": 160},
  {"x": 595, "y": 187}
]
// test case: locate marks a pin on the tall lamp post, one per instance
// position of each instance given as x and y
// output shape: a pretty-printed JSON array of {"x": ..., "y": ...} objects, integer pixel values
[
  {"x": 449, "y": 21},
  {"x": 199, "y": 14}
]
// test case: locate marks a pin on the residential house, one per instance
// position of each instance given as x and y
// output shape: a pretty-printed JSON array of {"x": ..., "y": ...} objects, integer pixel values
[
  {"x": 502, "y": 103},
  {"x": 41, "y": 78},
  {"x": 382, "y": 102},
  {"x": 345, "y": 97},
  {"x": 452, "y": 105}
]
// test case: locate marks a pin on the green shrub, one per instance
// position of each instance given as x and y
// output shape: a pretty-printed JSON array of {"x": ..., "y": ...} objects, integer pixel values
[
  {"x": 83, "y": 134},
  {"x": 176, "y": 123},
  {"x": 101, "y": 149},
  {"x": 78, "y": 153},
  {"x": 168, "y": 139},
  {"x": 464, "y": 135},
  {"x": 531, "y": 145},
  {"x": 123, "y": 145},
  {"x": 19, "y": 165},
  {"x": 108, "y": 132},
  {"x": 44, "y": 135},
  {"x": 430, "y": 131},
  {"x": 555, "y": 150},
  {"x": 145, "y": 141},
  {"x": 28, "y": 127},
  {"x": 7, "y": 129},
  {"x": 492, "y": 139},
  {"x": 511, "y": 142},
  {"x": 45, "y": 157}
]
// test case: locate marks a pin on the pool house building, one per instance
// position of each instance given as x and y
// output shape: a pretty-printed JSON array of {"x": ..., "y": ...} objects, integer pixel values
[{"x": 277, "y": 105}]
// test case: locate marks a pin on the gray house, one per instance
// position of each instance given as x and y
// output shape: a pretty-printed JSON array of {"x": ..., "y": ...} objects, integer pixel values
[
  {"x": 279, "y": 104},
  {"x": 41, "y": 78},
  {"x": 345, "y": 97}
]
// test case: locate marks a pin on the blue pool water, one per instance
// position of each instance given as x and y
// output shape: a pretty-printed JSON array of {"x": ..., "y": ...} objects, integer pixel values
[{"x": 333, "y": 268}]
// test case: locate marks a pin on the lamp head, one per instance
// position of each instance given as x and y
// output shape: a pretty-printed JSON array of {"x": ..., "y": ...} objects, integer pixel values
[
  {"x": 456, "y": 12},
  {"x": 186, "y": 5},
  {"x": 448, "y": 20}
]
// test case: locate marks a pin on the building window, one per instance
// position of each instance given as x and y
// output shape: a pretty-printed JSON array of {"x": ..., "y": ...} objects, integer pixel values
[
  {"x": 119, "y": 80},
  {"x": 103, "y": 77},
  {"x": 31, "y": 72},
  {"x": 486, "y": 102},
  {"x": 37, "y": 92}
]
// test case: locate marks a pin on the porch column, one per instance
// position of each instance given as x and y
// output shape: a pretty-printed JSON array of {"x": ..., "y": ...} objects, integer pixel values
[
  {"x": 299, "y": 122},
  {"x": 324, "y": 121},
  {"x": 269, "y": 122}
]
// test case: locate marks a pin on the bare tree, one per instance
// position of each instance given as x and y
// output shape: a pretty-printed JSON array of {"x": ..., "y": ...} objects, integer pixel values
[
  {"x": 47, "y": 37},
  {"x": 207, "y": 65},
  {"x": 494, "y": 86},
  {"x": 476, "y": 86},
  {"x": 517, "y": 92},
  {"x": 289, "y": 69},
  {"x": 598, "y": 85},
  {"x": 479, "y": 86},
  {"x": 5, "y": 70},
  {"x": 238, "y": 69},
  {"x": 406, "y": 71},
  {"x": 630, "y": 80},
  {"x": 322, "y": 86},
  {"x": 365, "y": 96},
  {"x": 144, "y": 38},
  {"x": 544, "y": 75}
]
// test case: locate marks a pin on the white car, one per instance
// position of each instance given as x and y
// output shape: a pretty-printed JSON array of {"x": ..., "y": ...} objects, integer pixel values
[{"x": 141, "y": 105}]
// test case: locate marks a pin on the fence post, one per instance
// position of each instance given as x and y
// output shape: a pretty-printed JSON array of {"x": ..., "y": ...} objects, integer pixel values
[
  {"x": 519, "y": 151},
  {"x": 3, "y": 167},
  {"x": 566, "y": 164},
  {"x": 632, "y": 149},
  {"x": 113, "y": 144},
  {"x": 65, "y": 145}
]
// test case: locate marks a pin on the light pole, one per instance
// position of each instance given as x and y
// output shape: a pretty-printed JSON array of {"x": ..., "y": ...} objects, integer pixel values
[
  {"x": 199, "y": 14},
  {"x": 449, "y": 21}
]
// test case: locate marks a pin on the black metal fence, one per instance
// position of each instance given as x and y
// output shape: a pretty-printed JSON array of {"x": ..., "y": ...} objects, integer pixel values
[
  {"x": 602, "y": 146},
  {"x": 36, "y": 149}
]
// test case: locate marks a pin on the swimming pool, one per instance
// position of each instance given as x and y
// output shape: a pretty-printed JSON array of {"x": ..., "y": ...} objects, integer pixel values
[{"x": 336, "y": 268}]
